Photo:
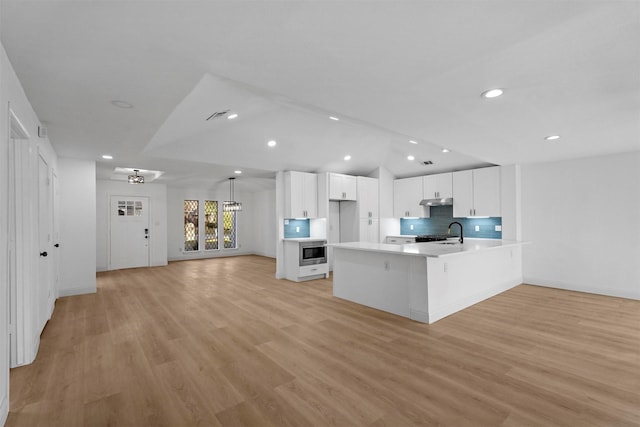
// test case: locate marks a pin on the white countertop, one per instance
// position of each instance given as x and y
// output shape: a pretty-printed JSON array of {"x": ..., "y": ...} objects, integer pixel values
[
  {"x": 429, "y": 249},
  {"x": 303, "y": 239}
]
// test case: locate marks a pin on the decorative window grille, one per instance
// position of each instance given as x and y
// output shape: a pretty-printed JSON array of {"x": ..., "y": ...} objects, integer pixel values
[
  {"x": 230, "y": 235},
  {"x": 210, "y": 224},
  {"x": 191, "y": 225}
]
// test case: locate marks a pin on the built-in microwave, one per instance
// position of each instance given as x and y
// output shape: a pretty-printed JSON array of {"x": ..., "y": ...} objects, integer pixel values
[{"x": 313, "y": 252}]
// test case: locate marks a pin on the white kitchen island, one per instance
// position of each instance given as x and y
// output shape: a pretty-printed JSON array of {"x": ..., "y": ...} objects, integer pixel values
[{"x": 425, "y": 281}]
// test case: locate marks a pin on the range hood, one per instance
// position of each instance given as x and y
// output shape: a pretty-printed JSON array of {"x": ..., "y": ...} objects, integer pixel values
[{"x": 437, "y": 202}]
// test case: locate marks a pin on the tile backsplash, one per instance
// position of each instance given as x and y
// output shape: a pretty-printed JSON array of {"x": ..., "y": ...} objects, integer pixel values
[
  {"x": 296, "y": 228},
  {"x": 442, "y": 216}
]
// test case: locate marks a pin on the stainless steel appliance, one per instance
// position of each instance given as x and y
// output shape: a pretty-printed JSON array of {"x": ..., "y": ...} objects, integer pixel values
[{"x": 313, "y": 252}]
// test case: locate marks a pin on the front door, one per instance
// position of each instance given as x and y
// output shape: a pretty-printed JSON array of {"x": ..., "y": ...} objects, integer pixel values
[{"x": 129, "y": 236}]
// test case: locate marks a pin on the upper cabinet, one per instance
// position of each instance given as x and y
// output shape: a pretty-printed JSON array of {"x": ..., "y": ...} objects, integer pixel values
[
  {"x": 301, "y": 195},
  {"x": 439, "y": 186},
  {"x": 367, "y": 190},
  {"x": 476, "y": 192},
  {"x": 342, "y": 187},
  {"x": 407, "y": 194}
]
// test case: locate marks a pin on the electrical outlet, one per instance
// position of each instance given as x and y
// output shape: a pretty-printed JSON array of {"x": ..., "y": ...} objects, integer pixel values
[
  {"x": 297, "y": 229},
  {"x": 498, "y": 228},
  {"x": 286, "y": 222},
  {"x": 410, "y": 226},
  {"x": 477, "y": 228}
]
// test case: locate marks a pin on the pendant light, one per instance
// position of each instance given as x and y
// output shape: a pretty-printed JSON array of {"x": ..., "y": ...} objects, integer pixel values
[
  {"x": 136, "y": 179},
  {"x": 231, "y": 205}
]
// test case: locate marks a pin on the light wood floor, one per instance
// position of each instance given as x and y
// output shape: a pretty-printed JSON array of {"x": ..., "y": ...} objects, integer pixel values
[{"x": 221, "y": 343}]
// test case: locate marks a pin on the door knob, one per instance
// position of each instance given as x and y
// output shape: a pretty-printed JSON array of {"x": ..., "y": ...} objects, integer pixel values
[
  {"x": 43, "y": 254},
  {"x": 57, "y": 245}
]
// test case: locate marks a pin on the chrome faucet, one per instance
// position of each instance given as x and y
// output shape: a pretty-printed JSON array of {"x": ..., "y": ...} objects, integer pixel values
[{"x": 449, "y": 232}]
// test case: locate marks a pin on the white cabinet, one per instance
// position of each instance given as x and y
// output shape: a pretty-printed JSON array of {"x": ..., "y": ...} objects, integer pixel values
[
  {"x": 297, "y": 273},
  {"x": 369, "y": 230},
  {"x": 476, "y": 192},
  {"x": 368, "y": 210},
  {"x": 400, "y": 240},
  {"x": 439, "y": 186},
  {"x": 301, "y": 195},
  {"x": 368, "y": 198},
  {"x": 407, "y": 194},
  {"x": 342, "y": 187},
  {"x": 359, "y": 222}
]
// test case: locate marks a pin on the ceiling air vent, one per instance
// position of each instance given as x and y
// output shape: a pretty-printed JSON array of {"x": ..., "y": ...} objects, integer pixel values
[
  {"x": 428, "y": 162},
  {"x": 217, "y": 114}
]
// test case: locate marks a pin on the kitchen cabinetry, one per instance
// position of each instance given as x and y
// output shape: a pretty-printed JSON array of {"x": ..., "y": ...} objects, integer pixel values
[
  {"x": 301, "y": 195},
  {"x": 368, "y": 201},
  {"x": 342, "y": 187},
  {"x": 439, "y": 186},
  {"x": 359, "y": 222},
  {"x": 476, "y": 192},
  {"x": 296, "y": 272},
  {"x": 407, "y": 194},
  {"x": 400, "y": 240}
]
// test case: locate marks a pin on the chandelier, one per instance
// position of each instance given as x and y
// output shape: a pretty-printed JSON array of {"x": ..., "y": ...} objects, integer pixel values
[
  {"x": 136, "y": 179},
  {"x": 231, "y": 205}
]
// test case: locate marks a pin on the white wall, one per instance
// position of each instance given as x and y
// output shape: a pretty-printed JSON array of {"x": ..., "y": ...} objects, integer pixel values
[
  {"x": 265, "y": 233},
  {"x": 77, "y": 181},
  {"x": 246, "y": 228},
  {"x": 582, "y": 218},
  {"x": 157, "y": 194}
]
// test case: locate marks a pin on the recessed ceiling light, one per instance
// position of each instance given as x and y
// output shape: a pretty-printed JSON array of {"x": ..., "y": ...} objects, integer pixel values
[
  {"x": 492, "y": 93},
  {"x": 347, "y": 157},
  {"x": 334, "y": 118},
  {"x": 121, "y": 104},
  {"x": 445, "y": 150},
  {"x": 410, "y": 157},
  {"x": 272, "y": 143},
  {"x": 238, "y": 172},
  {"x": 412, "y": 141},
  {"x": 232, "y": 116},
  {"x": 552, "y": 137},
  {"x": 107, "y": 157}
]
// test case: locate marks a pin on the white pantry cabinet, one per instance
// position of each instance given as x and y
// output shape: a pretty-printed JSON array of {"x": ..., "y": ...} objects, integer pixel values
[
  {"x": 301, "y": 195},
  {"x": 369, "y": 230},
  {"x": 439, "y": 186},
  {"x": 359, "y": 222},
  {"x": 477, "y": 192},
  {"x": 342, "y": 187},
  {"x": 368, "y": 198},
  {"x": 407, "y": 194}
]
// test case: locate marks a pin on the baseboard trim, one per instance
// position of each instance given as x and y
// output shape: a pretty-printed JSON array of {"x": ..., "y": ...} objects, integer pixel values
[
  {"x": 75, "y": 291},
  {"x": 618, "y": 293}
]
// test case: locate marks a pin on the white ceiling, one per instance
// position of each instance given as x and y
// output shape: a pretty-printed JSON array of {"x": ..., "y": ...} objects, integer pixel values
[{"x": 390, "y": 70}]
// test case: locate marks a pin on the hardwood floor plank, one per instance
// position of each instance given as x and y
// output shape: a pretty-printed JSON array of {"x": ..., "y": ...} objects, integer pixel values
[{"x": 221, "y": 342}]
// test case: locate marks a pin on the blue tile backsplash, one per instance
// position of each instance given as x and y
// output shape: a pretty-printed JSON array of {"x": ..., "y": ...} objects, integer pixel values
[
  {"x": 290, "y": 228},
  {"x": 442, "y": 216}
]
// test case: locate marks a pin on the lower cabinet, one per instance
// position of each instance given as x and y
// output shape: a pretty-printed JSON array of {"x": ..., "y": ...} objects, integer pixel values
[
  {"x": 299, "y": 273},
  {"x": 399, "y": 240}
]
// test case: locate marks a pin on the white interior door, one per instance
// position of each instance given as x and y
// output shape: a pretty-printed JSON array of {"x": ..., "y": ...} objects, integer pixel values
[
  {"x": 44, "y": 292},
  {"x": 129, "y": 236}
]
